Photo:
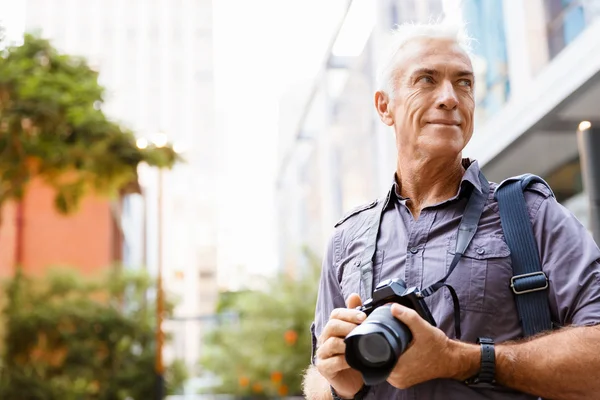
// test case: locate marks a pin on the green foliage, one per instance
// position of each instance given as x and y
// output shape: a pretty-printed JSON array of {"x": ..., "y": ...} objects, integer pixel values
[
  {"x": 175, "y": 376},
  {"x": 52, "y": 126},
  {"x": 267, "y": 349},
  {"x": 68, "y": 338}
]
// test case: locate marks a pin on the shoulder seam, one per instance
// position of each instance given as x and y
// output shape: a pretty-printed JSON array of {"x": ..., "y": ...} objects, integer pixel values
[
  {"x": 355, "y": 211},
  {"x": 540, "y": 188}
]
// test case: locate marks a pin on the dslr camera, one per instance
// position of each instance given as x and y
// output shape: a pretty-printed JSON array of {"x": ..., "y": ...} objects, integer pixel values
[{"x": 373, "y": 347}]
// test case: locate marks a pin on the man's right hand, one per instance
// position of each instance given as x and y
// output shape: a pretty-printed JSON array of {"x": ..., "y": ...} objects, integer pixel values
[{"x": 330, "y": 355}]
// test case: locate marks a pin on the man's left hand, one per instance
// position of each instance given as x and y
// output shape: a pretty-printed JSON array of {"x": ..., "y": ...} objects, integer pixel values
[{"x": 429, "y": 355}]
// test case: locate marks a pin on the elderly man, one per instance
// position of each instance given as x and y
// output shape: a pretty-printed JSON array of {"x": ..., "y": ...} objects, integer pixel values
[{"x": 427, "y": 95}]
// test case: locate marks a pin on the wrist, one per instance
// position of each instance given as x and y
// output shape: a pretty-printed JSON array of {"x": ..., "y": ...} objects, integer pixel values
[
  {"x": 337, "y": 395},
  {"x": 465, "y": 360}
]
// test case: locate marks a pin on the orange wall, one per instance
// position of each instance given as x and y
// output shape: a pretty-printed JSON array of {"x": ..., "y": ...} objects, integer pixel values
[
  {"x": 84, "y": 240},
  {"x": 7, "y": 239}
]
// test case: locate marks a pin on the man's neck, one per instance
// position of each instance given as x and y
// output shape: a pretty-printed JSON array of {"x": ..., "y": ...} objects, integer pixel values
[{"x": 426, "y": 182}]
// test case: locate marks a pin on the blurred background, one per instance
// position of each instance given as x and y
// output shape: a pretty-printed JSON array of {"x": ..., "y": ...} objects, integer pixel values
[{"x": 171, "y": 171}]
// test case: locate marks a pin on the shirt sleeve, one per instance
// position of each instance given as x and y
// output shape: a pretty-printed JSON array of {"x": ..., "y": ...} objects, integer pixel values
[
  {"x": 330, "y": 293},
  {"x": 570, "y": 258}
]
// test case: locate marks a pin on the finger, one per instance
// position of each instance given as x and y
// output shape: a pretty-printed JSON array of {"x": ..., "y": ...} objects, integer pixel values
[
  {"x": 353, "y": 301},
  {"x": 337, "y": 328},
  {"x": 333, "y": 346},
  {"x": 348, "y": 315},
  {"x": 409, "y": 317},
  {"x": 329, "y": 367}
]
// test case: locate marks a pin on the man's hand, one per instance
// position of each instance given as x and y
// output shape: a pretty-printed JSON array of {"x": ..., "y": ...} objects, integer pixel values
[
  {"x": 330, "y": 355},
  {"x": 430, "y": 355}
]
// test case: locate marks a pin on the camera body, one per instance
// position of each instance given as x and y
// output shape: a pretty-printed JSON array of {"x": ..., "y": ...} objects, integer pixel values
[
  {"x": 395, "y": 291},
  {"x": 373, "y": 347}
]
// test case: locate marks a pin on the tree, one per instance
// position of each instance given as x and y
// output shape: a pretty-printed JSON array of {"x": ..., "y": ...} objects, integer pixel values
[
  {"x": 68, "y": 338},
  {"x": 52, "y": 126},
  {"x": 264, "y": 352}
]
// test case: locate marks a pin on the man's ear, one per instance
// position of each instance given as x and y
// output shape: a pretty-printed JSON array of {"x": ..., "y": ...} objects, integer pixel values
[{"x": 382, "y": 104}]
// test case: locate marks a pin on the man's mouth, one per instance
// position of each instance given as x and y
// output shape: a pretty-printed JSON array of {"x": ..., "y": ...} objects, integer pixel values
[{"x": 449, "y": 122}]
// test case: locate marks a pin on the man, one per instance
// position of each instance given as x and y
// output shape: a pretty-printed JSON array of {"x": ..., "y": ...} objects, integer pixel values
[{"x": 427, "y": 96}]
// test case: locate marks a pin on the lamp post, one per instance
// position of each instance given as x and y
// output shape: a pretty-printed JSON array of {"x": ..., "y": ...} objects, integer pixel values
[
  {"x": 159, "y": 364},
  {"x": 159, "y": 141},
  {"x": 588, "y": 138}
]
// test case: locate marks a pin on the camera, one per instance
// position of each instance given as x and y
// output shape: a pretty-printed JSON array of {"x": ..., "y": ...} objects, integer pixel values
[{"x": 373, "y": 347}]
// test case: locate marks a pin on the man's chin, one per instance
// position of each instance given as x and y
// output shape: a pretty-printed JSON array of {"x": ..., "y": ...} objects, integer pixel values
[{"x": 443, "y": 149}]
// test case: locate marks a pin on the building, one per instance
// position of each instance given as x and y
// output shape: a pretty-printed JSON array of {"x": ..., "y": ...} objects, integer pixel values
[
  {"x": 537, "y": 80},
  {"x": 155, "y": 59},
  {"x": 334, "y": 155},
  {"x": 553, "y": 88},
  {"x": 36, "y": 237}
]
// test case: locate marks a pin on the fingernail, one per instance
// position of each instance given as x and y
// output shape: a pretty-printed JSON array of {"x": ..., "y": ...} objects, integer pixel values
[{"x": 361, "y": 316}]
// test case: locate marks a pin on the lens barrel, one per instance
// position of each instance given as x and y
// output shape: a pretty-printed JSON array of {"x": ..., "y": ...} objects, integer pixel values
[{"x": 373, "y": 347}]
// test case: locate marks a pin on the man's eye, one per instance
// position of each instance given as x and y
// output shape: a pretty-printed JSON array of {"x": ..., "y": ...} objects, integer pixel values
[
  {"x": 465, "y": 82},
  {"x": 425, "y": 79}
]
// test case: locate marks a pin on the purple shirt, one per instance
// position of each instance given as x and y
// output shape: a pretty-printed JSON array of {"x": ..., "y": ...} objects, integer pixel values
[{"x": 420, "y": 251}]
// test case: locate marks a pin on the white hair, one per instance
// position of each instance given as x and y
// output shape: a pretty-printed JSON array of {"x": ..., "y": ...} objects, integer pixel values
[{"x": 408, "y": 32}]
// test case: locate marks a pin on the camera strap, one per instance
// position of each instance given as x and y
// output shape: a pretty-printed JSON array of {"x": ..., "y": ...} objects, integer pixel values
[
  {"x": 366, "y": 262},
  {"x": 466, "y": 232}
]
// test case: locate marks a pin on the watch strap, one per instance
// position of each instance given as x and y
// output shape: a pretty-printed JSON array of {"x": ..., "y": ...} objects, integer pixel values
[{"x": 487, "y": 370}]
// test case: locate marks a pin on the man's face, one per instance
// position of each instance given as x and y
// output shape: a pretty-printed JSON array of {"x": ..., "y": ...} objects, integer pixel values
[{"x": 433, "y": 103}]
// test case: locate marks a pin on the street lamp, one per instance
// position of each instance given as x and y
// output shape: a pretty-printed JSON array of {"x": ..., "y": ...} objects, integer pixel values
[{"x": 159, "y": 141}]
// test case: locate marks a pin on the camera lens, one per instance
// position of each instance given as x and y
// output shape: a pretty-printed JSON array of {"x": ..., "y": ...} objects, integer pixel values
[{"x": 374, "y": 349}]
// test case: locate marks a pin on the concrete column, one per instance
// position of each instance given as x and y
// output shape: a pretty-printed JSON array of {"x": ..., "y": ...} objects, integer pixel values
[
  {"x": 589, "y": 155},
  {"x": 517, "y": 46},
  {"x": 536, "y": 36}
]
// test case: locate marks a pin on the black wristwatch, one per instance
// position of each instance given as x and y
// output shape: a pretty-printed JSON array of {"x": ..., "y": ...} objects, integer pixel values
[
  {"x": 358, "y": 396},
  {"x": 487, "y": 371}
]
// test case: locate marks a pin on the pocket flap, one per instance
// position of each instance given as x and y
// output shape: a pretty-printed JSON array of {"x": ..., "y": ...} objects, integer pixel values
[{"x": 482, "y": 247}]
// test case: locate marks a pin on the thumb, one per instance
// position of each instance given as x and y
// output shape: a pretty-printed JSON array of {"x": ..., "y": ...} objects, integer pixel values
[{"x": 353, "y": 301}]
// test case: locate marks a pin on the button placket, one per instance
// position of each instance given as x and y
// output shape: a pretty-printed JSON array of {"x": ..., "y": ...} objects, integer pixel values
[{"x": 416, "y": 243}]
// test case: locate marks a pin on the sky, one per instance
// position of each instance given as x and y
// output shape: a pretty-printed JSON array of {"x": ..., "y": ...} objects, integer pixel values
[{"x": 261, "y": 49}]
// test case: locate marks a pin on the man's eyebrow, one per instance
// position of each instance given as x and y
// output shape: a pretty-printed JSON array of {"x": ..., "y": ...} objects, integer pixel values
[
  {"x": 424, "y": 71},
  {"x": 465, "y": 72},
  {"x": 430, "y": 71}
]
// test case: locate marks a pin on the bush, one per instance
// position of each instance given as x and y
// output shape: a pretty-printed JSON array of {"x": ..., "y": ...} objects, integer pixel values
[
  {"x": 69, "y": 338},
  {"x": 265, "y": 351}
]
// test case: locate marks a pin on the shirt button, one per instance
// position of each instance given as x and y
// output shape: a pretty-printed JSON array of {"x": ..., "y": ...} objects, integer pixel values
[
  {"x": 356, "y": 263},
  {"x": 480, "y": 251},
  {"x": 414, "y": 250}
]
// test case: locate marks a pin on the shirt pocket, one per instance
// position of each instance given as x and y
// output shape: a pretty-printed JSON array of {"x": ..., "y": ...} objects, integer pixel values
[
  {"x": 481, "y": 278},
  {"x": 350, "y": 273}
]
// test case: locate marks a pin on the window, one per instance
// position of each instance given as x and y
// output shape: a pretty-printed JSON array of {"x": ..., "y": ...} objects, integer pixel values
[
  {"x": 485, "y": 22},
  {"x": 566, "y": 20},
  {"x": 205, "y": 275},
  {"x": 393, "y": 13}
]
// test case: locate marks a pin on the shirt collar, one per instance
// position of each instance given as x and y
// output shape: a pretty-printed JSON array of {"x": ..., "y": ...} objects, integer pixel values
[{"x": 471, "y": 176}]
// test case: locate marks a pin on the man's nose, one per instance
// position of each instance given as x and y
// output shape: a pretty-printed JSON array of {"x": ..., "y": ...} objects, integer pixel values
[{"x": 447, "y": 98}]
